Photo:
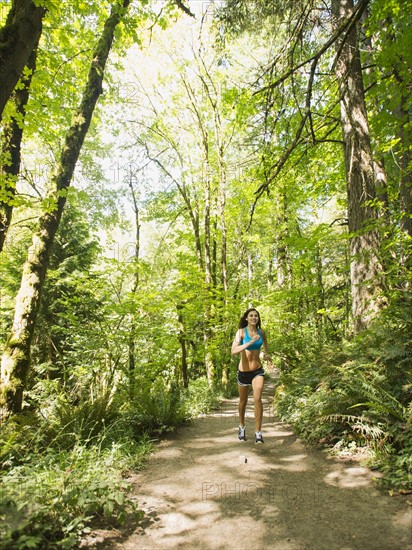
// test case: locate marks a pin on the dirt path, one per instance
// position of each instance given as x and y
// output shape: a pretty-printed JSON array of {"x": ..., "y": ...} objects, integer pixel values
[{"x": 203, "y": 489}]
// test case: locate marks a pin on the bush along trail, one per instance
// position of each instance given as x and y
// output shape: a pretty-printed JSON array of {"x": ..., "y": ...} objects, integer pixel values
[{"x": 202, "y": 488}]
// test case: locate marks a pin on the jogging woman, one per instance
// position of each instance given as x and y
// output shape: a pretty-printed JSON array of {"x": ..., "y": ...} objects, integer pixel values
[{"x": 248, "y": 342}]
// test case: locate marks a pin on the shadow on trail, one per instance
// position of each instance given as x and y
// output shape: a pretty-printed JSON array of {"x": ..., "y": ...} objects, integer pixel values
[{"x": 205, "y": 489}]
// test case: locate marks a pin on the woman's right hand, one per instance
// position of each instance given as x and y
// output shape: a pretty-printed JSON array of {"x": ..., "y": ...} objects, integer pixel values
[{"x": 254, "y": 339}]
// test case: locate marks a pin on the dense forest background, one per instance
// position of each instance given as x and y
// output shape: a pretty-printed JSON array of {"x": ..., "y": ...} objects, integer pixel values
[{"x": 166, "y": 165}]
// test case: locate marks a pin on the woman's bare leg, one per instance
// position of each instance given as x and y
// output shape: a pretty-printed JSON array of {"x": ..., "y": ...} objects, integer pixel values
[
  {"x": 257, "y": 385},
  {"x": 243, "y": 397}
]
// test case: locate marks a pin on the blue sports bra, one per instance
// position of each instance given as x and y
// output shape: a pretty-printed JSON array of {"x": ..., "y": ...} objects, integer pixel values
[{"x": 256, "y": 345}]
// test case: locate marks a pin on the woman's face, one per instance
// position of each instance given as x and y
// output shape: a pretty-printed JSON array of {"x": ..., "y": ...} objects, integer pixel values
[{"x": 252, "y": 317}]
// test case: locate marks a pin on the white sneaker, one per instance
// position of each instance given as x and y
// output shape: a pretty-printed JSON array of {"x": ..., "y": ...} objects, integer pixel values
[{"x": 258, "y": 437}]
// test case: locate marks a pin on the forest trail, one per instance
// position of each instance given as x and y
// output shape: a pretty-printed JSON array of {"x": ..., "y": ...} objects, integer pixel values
[{"x": 203, "y": 489}]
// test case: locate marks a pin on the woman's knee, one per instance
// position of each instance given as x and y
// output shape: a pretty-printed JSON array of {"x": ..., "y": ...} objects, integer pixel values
[{"x": 243, "y": 401}]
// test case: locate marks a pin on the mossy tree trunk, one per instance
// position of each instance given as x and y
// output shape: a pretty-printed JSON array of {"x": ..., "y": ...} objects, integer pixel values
[
  {"x": 16, "y": 355},
  {"x": 365, "y": 269},
  {"x": 18, "y": 38},
  {"x": 11, "y": 150}
]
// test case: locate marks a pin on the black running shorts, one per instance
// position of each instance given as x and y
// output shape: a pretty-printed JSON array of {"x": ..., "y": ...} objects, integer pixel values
[{"x": 245, "y": 378}]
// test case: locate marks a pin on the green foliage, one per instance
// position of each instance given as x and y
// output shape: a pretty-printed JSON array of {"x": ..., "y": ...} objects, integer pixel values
[
  {"x": 158, "y": 407},
  {"x": 50, "y": 501},
  {"x": 63, "y": 469},
  {"x": 359, "y": 392},
  {"x": 201, "y": 397},
  {"x": 69, "y": 424},
  {"x": 88, "y": 415},
  {"x": 63, "y": 465}
]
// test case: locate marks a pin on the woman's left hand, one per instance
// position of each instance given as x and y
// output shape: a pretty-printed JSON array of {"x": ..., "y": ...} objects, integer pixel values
[{"x": 268, "y": 358}]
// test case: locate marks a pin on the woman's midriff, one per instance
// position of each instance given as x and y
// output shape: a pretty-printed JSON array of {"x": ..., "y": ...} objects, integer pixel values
[{"x": 249, "y": 360}]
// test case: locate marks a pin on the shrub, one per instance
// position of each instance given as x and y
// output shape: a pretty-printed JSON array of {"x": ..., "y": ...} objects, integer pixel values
[
  {"x": 200, "y": 397},
  {"x": 157, "y": 408},
  {"x": 63, "y": 472},
  {"x": 50, "y": 501},
  {"x": 358, "y": 394}
]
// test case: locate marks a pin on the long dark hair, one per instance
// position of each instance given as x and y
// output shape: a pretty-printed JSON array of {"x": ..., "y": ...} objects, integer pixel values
[{"x": 243, "y": 320}]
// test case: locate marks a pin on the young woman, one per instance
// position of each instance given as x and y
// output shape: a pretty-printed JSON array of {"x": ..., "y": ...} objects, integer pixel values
[{"x": 248, "y": 341}]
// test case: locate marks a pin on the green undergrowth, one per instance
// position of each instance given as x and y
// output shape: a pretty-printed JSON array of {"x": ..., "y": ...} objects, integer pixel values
[
  {"x": 201, "y": 398},
  {"x": 356, "y": 396},
  {"x": 64, "y": 467},
  {"x": 50, "y": 500}
]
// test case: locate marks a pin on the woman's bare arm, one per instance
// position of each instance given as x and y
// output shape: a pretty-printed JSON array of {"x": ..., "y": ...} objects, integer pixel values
[
  {"x": 237, "y": 347},
  {"x": 265, "y": 348}
]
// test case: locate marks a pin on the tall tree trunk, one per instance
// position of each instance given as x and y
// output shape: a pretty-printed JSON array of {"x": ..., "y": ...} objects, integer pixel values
[
  {"x": 405, "y": 164},
  {"x": 18, "y": 38},
  {"x": 183, "y": 345},
  {"x": 365, "y": 270},
  {"x": 214, "y": 238},
  {"x": 209, "y": 366},
  {"x": 284, "y": 271},
  {"x": 11, "y": 149},
  {"x": 378, "y": 164},
  {"x": 222, "y": 204},
  {"x": 16, "y": 356},
  {"x": 224, "y": 236},
  {"x": 208, "y": 277},
  {"x": 213, "y": 95},
  {"x": 132, "y": 363}
]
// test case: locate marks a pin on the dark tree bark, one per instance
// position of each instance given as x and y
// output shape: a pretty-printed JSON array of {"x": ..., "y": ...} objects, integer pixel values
[
  {"x": 18, "y": 38},
  {"x": 11, "y": 147},
  {"x": 365, "y": 270},
  {"x": 16, "y": 355}
]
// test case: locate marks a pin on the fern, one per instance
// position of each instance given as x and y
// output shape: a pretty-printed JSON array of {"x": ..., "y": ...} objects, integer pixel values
[
  {"x": 360, "y": 424},
  {"x": 378, "y": 399}
]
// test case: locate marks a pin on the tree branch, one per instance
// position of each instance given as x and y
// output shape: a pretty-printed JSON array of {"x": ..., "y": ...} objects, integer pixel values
[
  {"x": 345, "y": 26},
  {"x": 184, "y": 8}
]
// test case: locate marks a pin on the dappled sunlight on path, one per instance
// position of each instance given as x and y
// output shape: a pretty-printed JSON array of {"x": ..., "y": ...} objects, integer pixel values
[{"x": 204, "y": 489}]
